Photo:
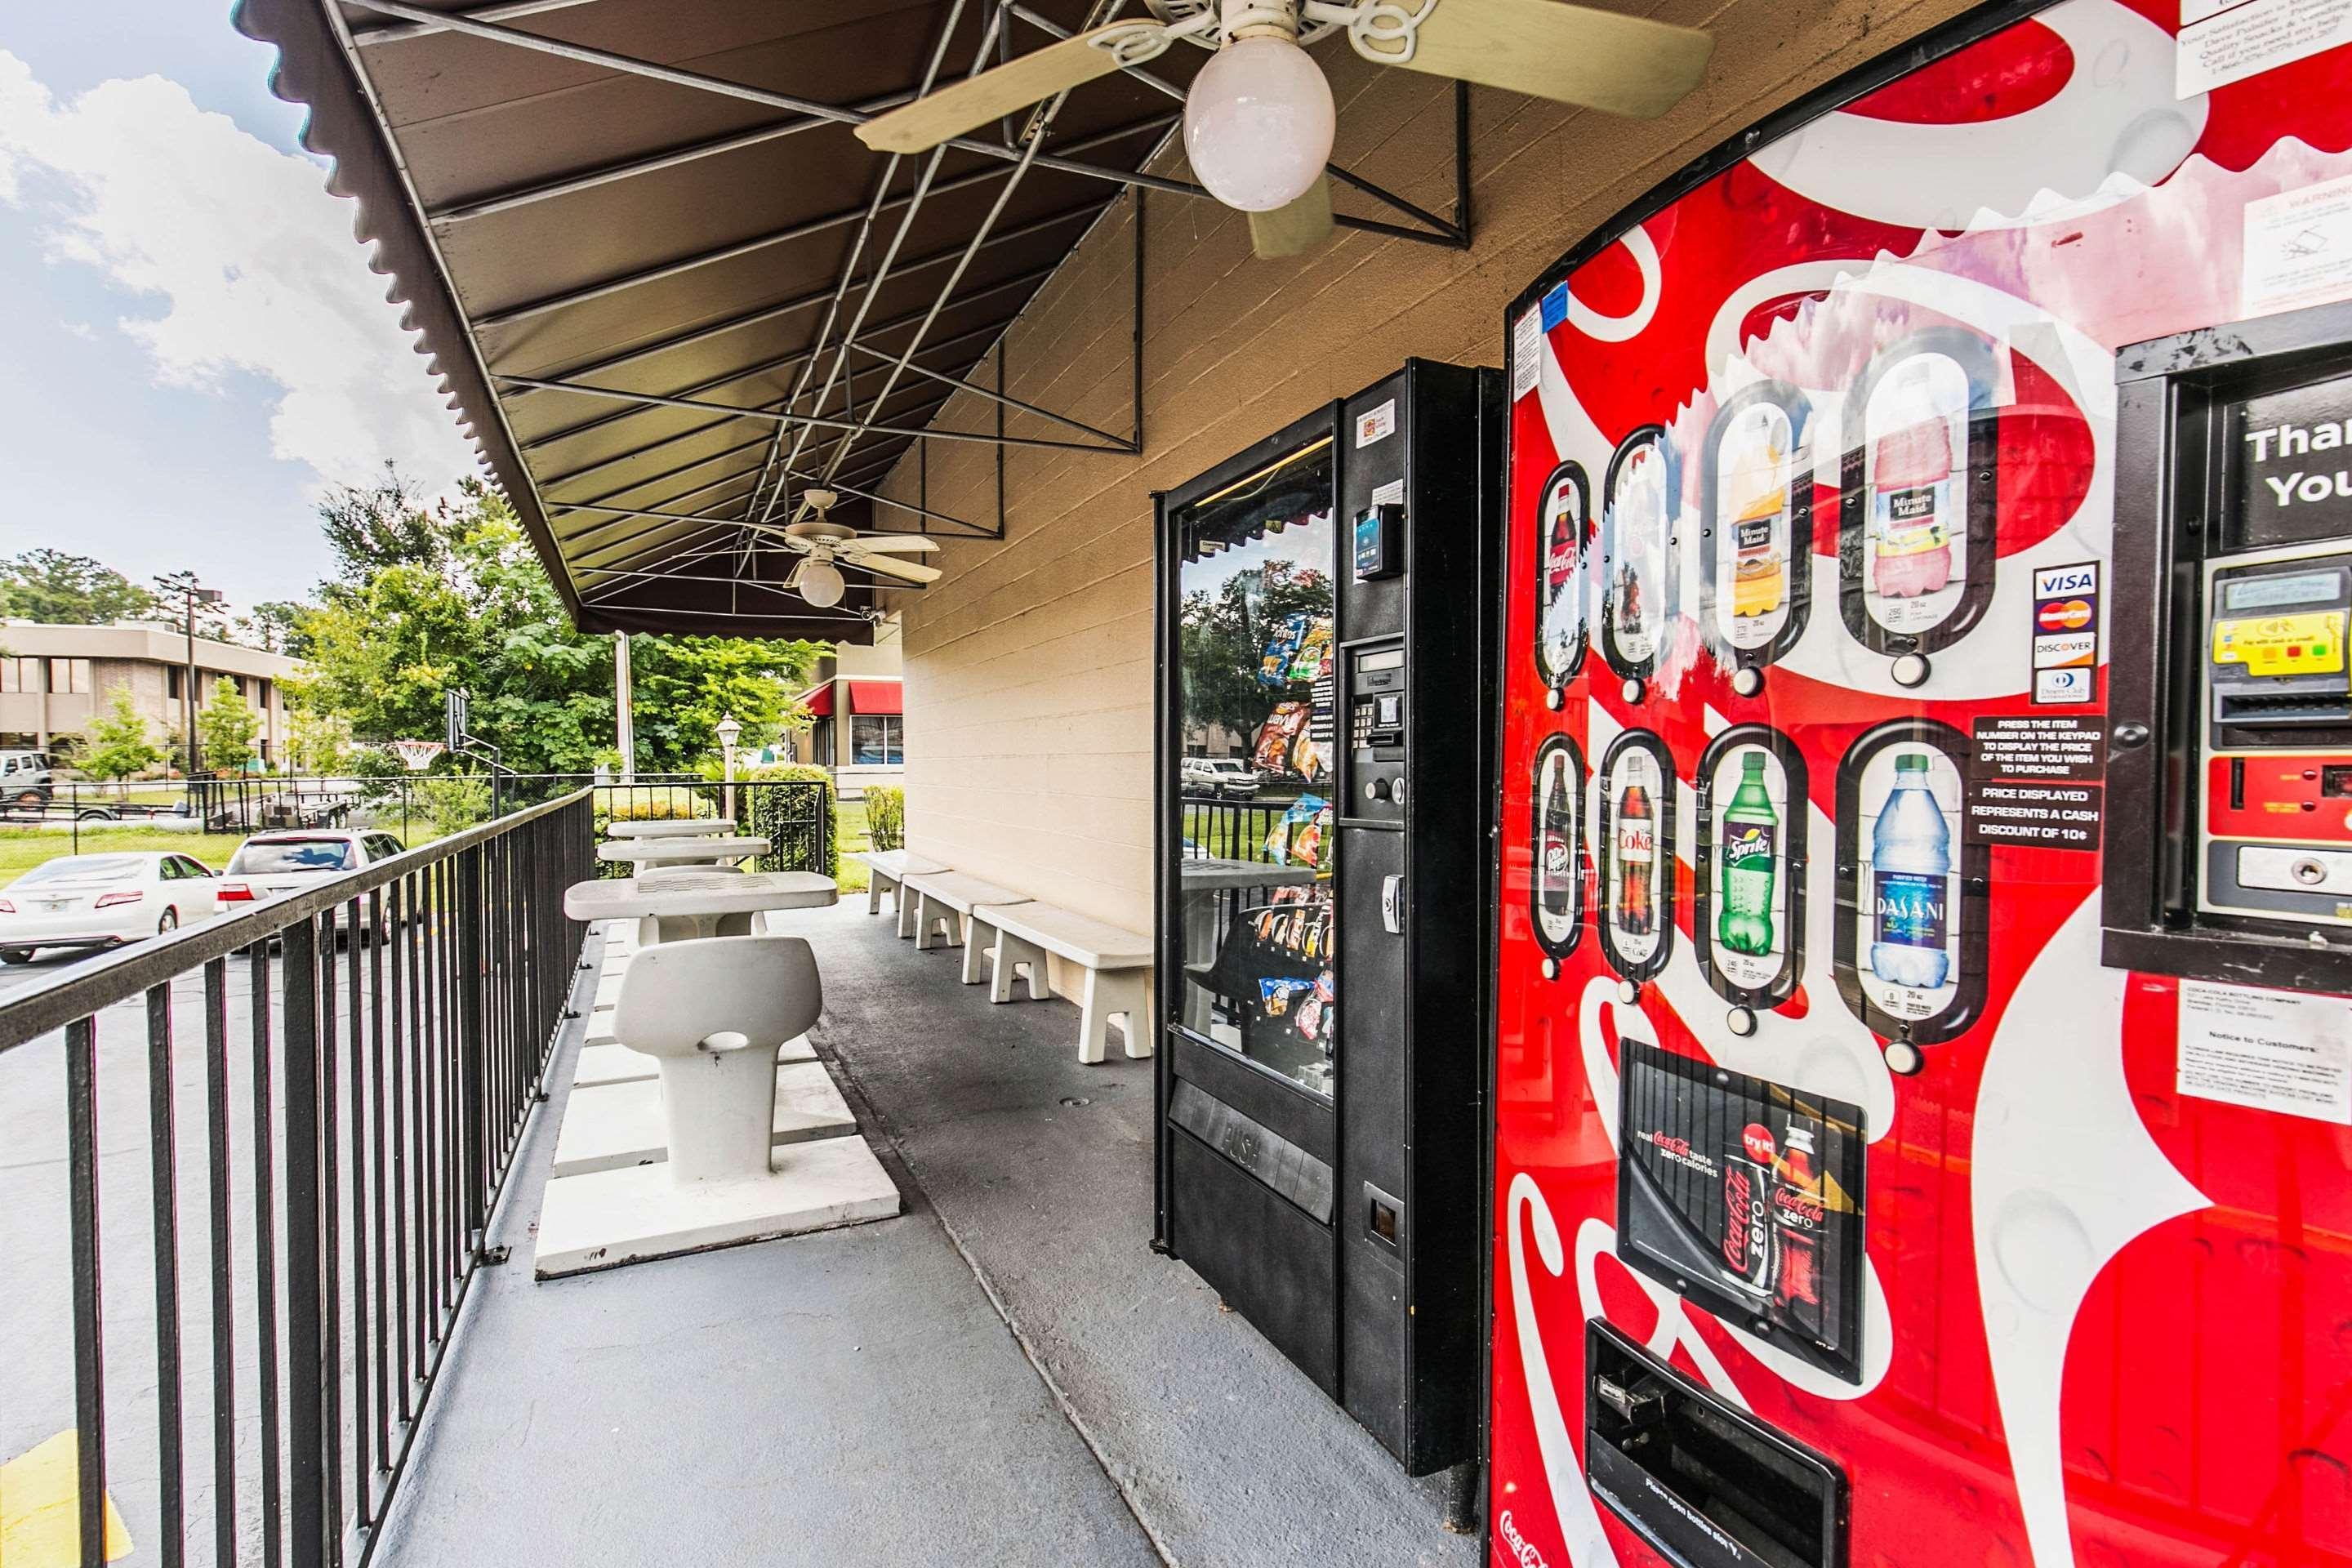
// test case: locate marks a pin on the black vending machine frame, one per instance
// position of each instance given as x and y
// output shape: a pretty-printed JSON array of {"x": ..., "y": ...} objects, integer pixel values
[
  {"x": 2170, "y": 393},
  {"x": 1391, "y": 1328}
]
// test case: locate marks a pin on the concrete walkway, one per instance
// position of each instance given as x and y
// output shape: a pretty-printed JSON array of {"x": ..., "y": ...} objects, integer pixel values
[{"x": 1007, "y": 1375}]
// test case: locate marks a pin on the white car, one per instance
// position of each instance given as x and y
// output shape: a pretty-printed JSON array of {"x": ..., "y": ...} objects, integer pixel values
[
  {"x": 98, "y": 900},
  {"x": 294, "y": 860},
  {"x": 1219, "y": 777}
]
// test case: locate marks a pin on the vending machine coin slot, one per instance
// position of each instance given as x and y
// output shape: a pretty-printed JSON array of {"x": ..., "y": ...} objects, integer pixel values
[{"x": 1700, "y": 1479}]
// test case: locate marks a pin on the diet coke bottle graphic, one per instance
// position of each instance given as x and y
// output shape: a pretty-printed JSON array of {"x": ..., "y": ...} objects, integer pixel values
[{"x": 1637, "y": 853}]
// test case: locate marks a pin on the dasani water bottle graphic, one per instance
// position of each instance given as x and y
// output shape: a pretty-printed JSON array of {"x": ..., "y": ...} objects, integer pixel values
[{"x": 1911, "y": 864}]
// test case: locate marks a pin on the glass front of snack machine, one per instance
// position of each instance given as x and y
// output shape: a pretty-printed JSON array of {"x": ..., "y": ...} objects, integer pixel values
[{"x": 1255, "y": 684}]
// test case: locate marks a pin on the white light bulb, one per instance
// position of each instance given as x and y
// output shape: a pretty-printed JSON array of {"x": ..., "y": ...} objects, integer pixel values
[
  {"x": 821, "y": 584},
  {"x": 1257, "y": 123}
]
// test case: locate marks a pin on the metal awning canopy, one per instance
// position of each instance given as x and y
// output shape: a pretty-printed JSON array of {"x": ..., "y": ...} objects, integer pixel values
[{"x": 668, "y": 289}]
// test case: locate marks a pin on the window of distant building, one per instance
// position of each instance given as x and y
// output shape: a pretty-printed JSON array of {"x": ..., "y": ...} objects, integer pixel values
[
  {"x": 70, "y": 674},
  {"x": 171, "y": 682},
  {"x": 20, "y": 674},
  {"x": 876, "y": 740}
]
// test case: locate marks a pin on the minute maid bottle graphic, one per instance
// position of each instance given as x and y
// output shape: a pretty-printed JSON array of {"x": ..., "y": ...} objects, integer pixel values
[{"x": 1911, "y": 864}]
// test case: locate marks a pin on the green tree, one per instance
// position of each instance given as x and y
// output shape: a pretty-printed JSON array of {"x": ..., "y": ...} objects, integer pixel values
[
  {"x": 455, "y": 597},
  {"x": 275, "y": 626},
  {"x": 383, "y": 525},
  {"x": 317, "y": 743},
  {"x": 1223, "y": 635},
  {"x": 119, "y": 742},
  {"x": 59, "y": 588},
  {"x": 225, "y": 728}
]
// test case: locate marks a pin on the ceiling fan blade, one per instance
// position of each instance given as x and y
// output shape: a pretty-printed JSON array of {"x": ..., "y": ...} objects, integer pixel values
[
  {"x": 1295, "y": 228},
  {"x": 892, "y": 545},
  {"x": 889, "y": 566},
  {"x": 793, "y": 578},
  {"x": 959, "y": 107},
  {"x": 1571, "y": 54}
]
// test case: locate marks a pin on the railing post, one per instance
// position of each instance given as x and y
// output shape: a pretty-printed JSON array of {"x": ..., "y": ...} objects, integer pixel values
[
  {"x": 473, "y": 979},
  {"x": 308, "y": 1373}
]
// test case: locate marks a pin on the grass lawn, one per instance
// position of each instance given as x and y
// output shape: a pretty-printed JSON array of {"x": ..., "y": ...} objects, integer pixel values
[
  {"x": 22, "y": 849},
  {"x": 850, "y": 832}
]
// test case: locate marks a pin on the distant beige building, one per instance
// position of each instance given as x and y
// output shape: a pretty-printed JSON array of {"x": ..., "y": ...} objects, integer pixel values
[
  {"x": 55, "y": 681},
  {"x": 857, "y": 726}
]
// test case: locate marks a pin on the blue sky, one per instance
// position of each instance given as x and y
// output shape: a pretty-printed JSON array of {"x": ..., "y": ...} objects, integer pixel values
[{"x": 194, "y": 347}]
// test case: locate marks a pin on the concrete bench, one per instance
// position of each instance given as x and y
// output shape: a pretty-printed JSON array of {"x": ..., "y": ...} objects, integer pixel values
[
  {"x": 943, "y": 898},
  {"x": 1118, "y": 964},
  {"x": 889, "y": 868}
]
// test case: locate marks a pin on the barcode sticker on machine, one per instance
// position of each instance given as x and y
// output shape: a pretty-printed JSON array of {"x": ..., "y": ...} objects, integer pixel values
[
  {"x": 1527, "y": 343},
  {"x": 2269, "y": 1050}
]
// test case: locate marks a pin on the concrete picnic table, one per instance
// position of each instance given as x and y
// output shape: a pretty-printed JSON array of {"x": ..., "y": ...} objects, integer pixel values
[
  {"x": 672, "y": 827},
  {"x": 718, "y": 903},
  {"x": 682, "y": 851}
]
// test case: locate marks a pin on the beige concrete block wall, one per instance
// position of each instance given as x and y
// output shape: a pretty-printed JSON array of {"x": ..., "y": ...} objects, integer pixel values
[{"x": 1028, "y": 666}]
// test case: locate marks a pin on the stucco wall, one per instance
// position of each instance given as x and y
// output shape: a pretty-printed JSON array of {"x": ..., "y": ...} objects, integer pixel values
[{"x": 1028, "y": 667}]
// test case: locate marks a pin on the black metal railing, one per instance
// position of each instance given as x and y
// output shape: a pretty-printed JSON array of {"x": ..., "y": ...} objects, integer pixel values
[
  {"x": 369, "y": 1053},
  {"x": 795, "y": 816},
  {"x": 1218, "y": 830}
]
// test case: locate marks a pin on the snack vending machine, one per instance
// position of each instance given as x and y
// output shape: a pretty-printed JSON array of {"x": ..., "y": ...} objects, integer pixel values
[
  {"x": 1325, "y": 705},
  {"x": 1923, "y": 1076}
]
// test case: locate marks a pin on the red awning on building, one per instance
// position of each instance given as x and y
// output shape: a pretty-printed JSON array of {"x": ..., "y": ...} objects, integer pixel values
[
  {"x": 873, "y": 696},
  {"x": 817, "y": 702}
]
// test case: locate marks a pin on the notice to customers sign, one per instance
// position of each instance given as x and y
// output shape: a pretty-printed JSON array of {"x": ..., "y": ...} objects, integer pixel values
[{"x": 2269, "y": 1050}]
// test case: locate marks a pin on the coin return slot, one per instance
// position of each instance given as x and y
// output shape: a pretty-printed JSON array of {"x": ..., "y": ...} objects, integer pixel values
[{"x": 1705, "y": 1483}]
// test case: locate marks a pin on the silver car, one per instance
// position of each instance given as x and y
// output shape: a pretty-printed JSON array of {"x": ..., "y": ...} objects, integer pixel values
[{"x": 294, "y": 860}]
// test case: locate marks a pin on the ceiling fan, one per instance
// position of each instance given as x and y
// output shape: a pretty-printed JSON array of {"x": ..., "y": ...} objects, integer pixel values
[
  {"x": 1258, "y": 118},
  {"x": 825, "y": 546}
]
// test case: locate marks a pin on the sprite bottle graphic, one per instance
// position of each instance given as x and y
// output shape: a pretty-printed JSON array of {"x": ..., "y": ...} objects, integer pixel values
[{"x": 1750, "y": 831}]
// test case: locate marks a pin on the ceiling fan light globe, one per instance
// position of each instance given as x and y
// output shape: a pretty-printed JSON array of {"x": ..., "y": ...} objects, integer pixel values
[
  {"x": 1258, "y": 123},
  {"x": 822, "y": 583}
]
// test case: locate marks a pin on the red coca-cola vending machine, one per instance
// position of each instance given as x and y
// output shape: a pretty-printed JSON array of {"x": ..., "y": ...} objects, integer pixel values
[{"x": 1923, "y": 1038}]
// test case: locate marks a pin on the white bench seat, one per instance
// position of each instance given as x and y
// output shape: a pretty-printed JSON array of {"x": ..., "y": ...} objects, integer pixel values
[
  {"x": 942, "y": 900},
  {"x": 1118, "y": 964},
  {"x": 889, "y": 868}
]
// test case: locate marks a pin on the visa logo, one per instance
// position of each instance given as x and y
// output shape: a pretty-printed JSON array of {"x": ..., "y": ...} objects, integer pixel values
[{"x": 2083, "y": 579}]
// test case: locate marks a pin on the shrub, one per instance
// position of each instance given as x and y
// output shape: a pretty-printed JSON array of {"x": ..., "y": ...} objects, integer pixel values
[
  {"x": 886, "y": 817},
  {"x": 782, "y": 816},
  {"x": 453, "y": 802}
]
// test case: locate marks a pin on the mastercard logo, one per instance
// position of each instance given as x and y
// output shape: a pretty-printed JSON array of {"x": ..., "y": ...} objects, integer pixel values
[{"x": 2065, "y": 615}]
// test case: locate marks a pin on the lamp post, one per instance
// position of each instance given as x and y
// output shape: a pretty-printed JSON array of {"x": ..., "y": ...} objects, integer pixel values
[
  {"x": 728, "y": 732},
  {"x": 192, "y": 593}
]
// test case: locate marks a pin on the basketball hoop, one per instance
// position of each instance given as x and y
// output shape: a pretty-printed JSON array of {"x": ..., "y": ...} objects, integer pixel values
[{"x": 416, "y": 755}]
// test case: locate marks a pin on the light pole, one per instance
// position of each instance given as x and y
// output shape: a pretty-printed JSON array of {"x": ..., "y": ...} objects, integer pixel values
[
  {"x": 192, "y": 593},
  {"x": 728, "y": 732}
]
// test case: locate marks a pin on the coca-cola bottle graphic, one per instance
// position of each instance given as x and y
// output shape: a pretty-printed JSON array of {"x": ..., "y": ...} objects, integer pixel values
[
  {"x": 1637, "y": 853},
  {"x": 1911, "y": 507},
  {"x": 1748, "y": 1233},
  {"x": 1798, "y": 1213}
]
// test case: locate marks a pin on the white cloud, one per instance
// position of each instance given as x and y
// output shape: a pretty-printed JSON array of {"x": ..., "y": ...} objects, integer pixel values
[{"x": 243, "y": 264}]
